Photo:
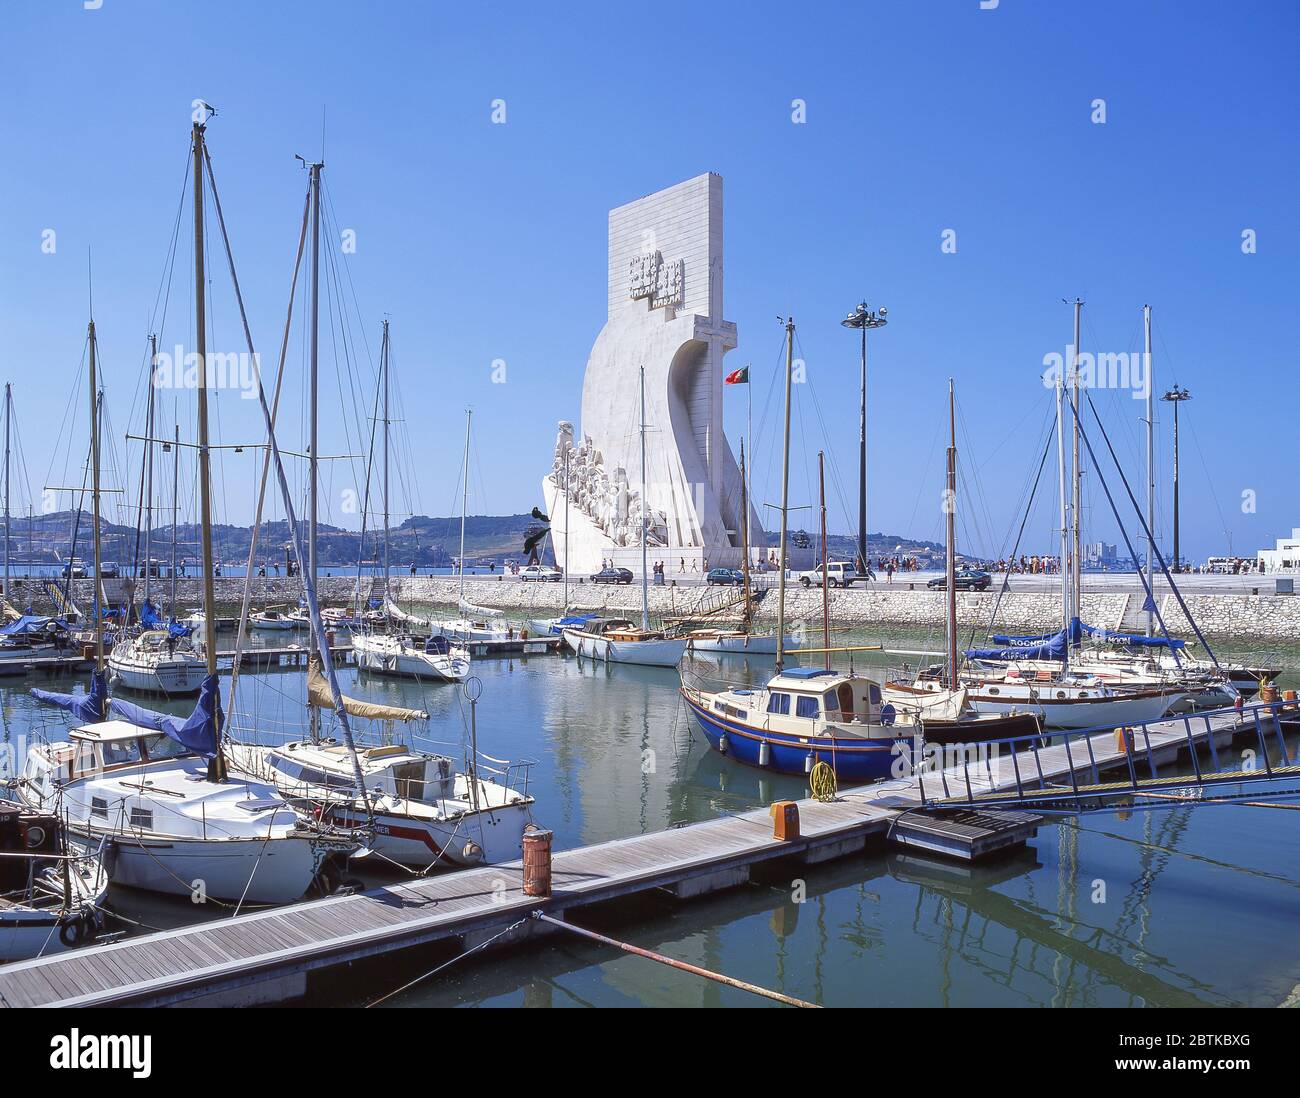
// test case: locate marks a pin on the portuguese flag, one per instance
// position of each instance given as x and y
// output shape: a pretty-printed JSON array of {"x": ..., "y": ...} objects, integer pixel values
[{"x": 738, "y": 377}]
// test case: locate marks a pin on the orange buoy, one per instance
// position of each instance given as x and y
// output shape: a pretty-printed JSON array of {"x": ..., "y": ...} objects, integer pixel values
[{"x": 537, "y": 862}]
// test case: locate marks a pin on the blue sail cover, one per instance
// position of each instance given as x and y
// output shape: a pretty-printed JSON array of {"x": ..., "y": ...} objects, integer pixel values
[
  {"x": 198, "y": 731},
  {"x": 1053, "y": 650},
  {"x": 151, "y": 619},
  {"x": 1134, "y": 640},
  {"x": 1076, "y": 634},
  {"x": 87, "y": 708}
]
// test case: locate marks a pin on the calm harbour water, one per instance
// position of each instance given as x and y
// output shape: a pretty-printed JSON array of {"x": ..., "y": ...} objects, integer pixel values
[{"x": 1183, "y": 906}]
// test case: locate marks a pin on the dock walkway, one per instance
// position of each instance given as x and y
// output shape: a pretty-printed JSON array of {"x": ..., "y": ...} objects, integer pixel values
[{"x": 267, "y": 956}]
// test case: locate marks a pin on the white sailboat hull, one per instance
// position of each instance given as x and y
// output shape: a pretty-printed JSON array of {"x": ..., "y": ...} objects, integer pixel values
[
  {"x": 254, "y": 870},
  {"x": 163, "y": 677},
  {"x": 385, "y": 656},
  {"x": 1112, "y": 712},
  {"x": 647, "y": 653},
  {"x": 420, "y": 843}
]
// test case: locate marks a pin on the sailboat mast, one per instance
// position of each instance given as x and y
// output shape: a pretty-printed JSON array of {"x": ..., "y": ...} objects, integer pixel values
[
  {"x": 1151, "y": 472},
  {"x": 744, "y": 537},
  {"x": 313, "y": 458},
  {"x": 566, "y": 530},
  {"x": 386, "y": 560},
  {"x": 205, "y": 456},
  {"x": 9, "y": 404},
  {"x": 176, "y": 506},
  {"x": 1065, "y": 512},
  {"x": 464, "y": 502},
  {"x": 645, "y": 516},
  {"x": 1076, "y": 504},
  {"x": 94, "y": 500},
  {"x": 950, "y": 519},
  {"x": 148, "y": 466},
  {"x": 826, "y": 595},
  {"x": 785, "y": 497}
]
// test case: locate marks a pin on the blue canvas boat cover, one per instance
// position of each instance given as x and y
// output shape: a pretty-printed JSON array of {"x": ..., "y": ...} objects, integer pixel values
[
  {"x": 29, "y": 625},
  {"x": 1052, "y": 648},
  {"x": 1134, "y": 640},
  {"x": 198, "y": 731},
  {"x": 1076, "y": 634},
  {"x": 87, "y": 708},
  {"x": 151, "y": 619}
]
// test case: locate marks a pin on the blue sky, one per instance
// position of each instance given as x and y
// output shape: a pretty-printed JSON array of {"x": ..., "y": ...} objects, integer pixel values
[{"x": 486, "y": 242}]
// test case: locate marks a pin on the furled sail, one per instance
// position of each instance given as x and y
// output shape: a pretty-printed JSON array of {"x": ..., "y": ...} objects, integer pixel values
[
  {"x": 318, "y": 694},
  {"x": 1133, "y": 640},
  {"x": 88, "y": 707},
  {"x": 472, "y": 611},
  {"x": 198, "y": 731},
  {"x": 396, "y": 613}
]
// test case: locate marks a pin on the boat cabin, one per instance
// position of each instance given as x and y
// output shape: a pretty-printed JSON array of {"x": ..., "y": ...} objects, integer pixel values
[
  {"x": 392, "y": 770},
  {"x": 814, "y": 692},
  {"x": 94, "y": 750}
]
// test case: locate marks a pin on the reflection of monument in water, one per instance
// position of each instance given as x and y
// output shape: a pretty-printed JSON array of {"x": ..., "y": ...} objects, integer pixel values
[{"x": 665, "y": 313}]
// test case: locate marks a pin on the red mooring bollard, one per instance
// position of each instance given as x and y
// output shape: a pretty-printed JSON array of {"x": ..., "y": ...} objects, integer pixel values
[{"x": 537, "y": 863}]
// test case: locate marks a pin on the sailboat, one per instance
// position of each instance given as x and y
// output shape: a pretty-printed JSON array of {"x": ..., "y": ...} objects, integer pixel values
[
  {"x": 618, "y": 640},
  {"x": 51, "y": 895},
  {"x": 422, "y": 810},
  {"x": 158, "y": 786},
  {"x": 396, "y": 652},
  {"x": 476, "y": 623},
  {"x": 1062, "y": 695},
  {"x": 943, "y": 703},
  {"x": 805, "y": 715},
  {"x": 160, "y": 658}
]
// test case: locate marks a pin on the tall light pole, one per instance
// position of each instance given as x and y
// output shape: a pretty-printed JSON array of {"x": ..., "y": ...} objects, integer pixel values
[
  {"x": 863, "y": 319},
  {"x": 1176, "y": 396}
]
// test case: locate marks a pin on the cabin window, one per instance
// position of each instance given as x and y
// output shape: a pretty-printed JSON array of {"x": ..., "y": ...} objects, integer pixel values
[
  {"x": 805, "y": 706},
  {"x": 830, "y": 702},
  {"x": 99, "y": 807},
  {"x": 142, "y": 817},
  {"x": 157, "y": 748},
  {"x": 874, "y": 694},
  {"x": 994, "y": 690},
  {"x": 779, "y": 704},
  {"x": 120, "y": 752}
]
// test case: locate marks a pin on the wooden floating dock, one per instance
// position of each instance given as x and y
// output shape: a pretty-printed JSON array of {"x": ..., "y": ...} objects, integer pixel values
[
  {"x": 267, "y": 956},
  {"x": 263, "y": 656}
]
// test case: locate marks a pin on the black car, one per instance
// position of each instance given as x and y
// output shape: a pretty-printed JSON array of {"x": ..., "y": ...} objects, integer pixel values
[
  {"x": 967, "y": 579},
  {"x": 612, "y": 575},
  {"x": 725, "y": 576}
]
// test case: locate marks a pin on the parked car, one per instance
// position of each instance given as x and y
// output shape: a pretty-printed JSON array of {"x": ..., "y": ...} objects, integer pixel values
[
  {"x": 612, "y": 575},
  {"x": 109, "y": 570},
  {"x": 728, "y": 577},
  {"x": 546, "y": 573},
  {"x": 966, "y": 579},
  {"x": 839, "y": 573},
  {"x": 74, "y": 569}
]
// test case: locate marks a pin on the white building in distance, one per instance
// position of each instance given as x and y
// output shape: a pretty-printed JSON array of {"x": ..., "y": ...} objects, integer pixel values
[
  {"x": 666, "y": 314},
  {"x": 1285, "y": 558}
]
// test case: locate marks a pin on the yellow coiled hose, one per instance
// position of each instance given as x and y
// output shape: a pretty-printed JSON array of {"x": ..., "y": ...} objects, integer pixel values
[{"x": 822, "y": 782}]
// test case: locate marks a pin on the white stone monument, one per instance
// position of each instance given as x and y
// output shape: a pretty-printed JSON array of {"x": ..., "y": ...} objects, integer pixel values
[{"x": 665, "y": 313}]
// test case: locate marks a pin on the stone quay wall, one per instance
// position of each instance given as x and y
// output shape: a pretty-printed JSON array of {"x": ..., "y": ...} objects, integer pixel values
[{"x": 1262, "y": 617}]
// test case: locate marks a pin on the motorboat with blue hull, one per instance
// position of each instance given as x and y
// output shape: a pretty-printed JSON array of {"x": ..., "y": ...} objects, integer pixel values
[{"x": 807, "y": 715}]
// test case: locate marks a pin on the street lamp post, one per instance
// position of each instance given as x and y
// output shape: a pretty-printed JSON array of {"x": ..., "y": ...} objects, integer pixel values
[
  {"x": 863, "y": 319},
  {"x": 1176, "y": 396}
]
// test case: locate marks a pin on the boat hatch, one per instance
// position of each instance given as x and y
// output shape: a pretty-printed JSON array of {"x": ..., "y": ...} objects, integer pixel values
[
  {"x": 259, "y": 804},
  {"x": 387, "y": 751}
]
